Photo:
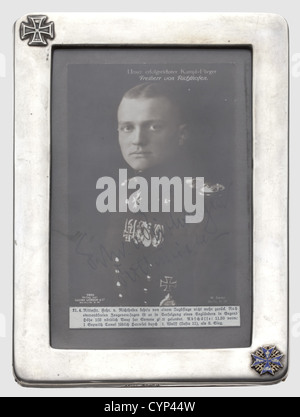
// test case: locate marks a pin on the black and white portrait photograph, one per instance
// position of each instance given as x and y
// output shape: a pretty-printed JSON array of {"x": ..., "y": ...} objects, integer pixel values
[{"x": 151, "y": 198}]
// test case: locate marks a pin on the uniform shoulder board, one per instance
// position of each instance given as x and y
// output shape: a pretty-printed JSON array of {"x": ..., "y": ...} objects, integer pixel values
[
  {"x": 209, "y": 188},
  {"x": 213, "y": 189}
]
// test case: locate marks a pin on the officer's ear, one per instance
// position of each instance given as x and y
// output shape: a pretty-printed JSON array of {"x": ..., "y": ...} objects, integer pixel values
[{"x": 183, "y": 135}]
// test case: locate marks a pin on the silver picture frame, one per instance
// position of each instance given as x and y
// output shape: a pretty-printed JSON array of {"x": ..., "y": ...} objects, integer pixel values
[{"x": 265, "y": 361}]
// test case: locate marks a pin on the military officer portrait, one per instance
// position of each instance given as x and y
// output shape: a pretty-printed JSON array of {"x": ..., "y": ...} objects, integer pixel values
[
  {"x": 157, "y": 258},
  {"x": 150, "y": 201}
]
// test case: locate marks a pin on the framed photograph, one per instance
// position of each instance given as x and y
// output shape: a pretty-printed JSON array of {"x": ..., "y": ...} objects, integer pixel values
[{"x": 151, "y": 199}]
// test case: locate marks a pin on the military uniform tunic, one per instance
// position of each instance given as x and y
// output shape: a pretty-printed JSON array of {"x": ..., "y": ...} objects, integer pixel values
[{"x": 157, "y": 259}]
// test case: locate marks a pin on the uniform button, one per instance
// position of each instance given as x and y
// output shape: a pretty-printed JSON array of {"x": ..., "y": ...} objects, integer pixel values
[
  {"x": 117, "y": 271},
  {"x": 145, "y": 303},
  {"x": 118, "y": 284},
  {"x": 117, "y": 260},
  {"x": 148, "y": 278},
  {"x": 145, "y": 290},
  {"x": 120, "y": 295}
]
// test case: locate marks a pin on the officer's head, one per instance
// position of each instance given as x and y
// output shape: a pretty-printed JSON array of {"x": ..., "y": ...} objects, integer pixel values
[{"x": 151, "y": 125}]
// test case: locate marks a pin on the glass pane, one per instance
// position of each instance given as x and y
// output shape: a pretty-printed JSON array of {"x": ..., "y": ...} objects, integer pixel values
[{"x": 151, "y": 198}]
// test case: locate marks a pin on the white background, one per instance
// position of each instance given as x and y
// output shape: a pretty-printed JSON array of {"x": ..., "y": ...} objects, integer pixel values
[{"x": 12, "y": 11}]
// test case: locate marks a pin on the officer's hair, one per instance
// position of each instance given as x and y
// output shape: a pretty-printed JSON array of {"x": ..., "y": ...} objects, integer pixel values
[{"x": 159, "y": 89}]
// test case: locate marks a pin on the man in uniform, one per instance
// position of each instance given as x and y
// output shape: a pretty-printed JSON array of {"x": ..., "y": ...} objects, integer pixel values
[{"x": 157, "y": 258}]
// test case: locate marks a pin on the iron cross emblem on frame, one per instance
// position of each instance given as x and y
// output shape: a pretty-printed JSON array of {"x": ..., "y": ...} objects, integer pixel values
[
  {"x": 168, "y": 283},
  {"x": 37, "y": 30}
]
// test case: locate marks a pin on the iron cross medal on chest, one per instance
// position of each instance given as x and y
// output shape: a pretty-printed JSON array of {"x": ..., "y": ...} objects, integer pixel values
[{"x": 168, "y": 284}]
